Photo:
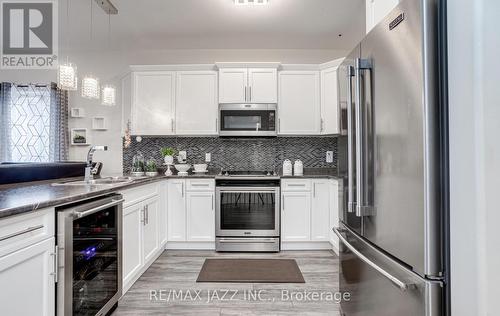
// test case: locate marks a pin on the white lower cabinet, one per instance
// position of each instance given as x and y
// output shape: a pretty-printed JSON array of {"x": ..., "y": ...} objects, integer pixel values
[
  {"x": 27, "y": 280},
  {"x": 320, "y": 211},
  {"x": 28, "y": 257},
  {"x": 200, "y": 216},
  {"x": 308, "y": 212},
  {"x": 176, "y": 210},
  {"x": 295, "y": 216},
  {"x": 132, "y": 242},
  {"x": 191, "y": 210},
  {"x": 335, "y": 206},
  {"x": 151, "y": 237},
  {"x": 143, "y": 218}
]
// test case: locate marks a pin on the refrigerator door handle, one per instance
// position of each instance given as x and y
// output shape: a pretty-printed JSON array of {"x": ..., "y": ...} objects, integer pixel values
[
  {"x": 400, "y": 284},
  {"x": 363, "y": 207},
  {"x": 351, "y": 203}
]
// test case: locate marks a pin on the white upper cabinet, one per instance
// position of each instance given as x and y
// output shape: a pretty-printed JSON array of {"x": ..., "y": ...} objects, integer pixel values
[
  {"x": 196, "y": 103},
  {"x": 299, "y": 108},
  {"x": 153, "y": 102},
  {"x": 248, "y": 85},
  {"x": 262, "y": 85},
  {"x": 376, "y": 10},
  {"x": 329, "y": 102},
  {"x": 233, "y": 83}
]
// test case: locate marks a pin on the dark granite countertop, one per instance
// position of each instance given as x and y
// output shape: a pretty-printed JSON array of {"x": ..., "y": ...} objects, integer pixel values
[
  {"x": 30, "y": 196},
  {"x": 312, "y": 173}
]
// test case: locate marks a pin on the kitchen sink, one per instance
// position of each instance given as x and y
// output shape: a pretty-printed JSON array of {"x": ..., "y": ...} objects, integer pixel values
[{"x": 101, "y": 181}]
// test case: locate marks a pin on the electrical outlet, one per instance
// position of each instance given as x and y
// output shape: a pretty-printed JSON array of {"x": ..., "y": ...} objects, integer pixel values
[
  {"x": 329, "y": 156},
  {"x": 208, "y": 157}
]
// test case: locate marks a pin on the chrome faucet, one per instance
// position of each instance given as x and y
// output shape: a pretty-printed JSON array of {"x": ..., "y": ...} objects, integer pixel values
[{"x": 88, "y": 168}]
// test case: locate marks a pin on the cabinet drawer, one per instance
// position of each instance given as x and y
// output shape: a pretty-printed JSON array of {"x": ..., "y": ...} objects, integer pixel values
[
  {"x": 296, "y": 185},
  {"x": 200, "y": 184},
  {"x": 24, "y": 230},
  {"x": 139, "y": 194}
]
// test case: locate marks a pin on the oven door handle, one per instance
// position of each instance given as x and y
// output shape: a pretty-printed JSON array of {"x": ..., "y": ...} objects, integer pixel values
[
  {"x": 97, "y": 209},
  {"x": 247, "y": 240}
]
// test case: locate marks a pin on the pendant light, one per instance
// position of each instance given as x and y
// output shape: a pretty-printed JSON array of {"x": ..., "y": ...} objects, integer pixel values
[
  {"x": 109, "y": 91},
  {"x": 108, "y": 95},
  {"x": 90, "y": 87},
  {"x": 67, "y": 77},
  {"x": 90, "y": 84}
]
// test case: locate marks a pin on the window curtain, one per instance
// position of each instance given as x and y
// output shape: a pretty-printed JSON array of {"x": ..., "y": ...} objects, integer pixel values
[
  {"x": 5, "y": 101},
  {"x": 59, "y": 132},
  {"x": 33, "y": 123}
]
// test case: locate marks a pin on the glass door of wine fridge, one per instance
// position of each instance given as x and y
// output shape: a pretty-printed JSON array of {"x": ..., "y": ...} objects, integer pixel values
[{"x": 89, "y": 242}]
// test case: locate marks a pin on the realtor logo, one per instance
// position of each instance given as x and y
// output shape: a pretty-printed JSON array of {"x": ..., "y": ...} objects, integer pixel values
[{"x": 29, "y": 34}]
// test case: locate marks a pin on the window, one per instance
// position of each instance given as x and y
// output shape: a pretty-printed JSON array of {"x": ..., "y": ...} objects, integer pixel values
[
  {"x": 33, "y": 123},
  {"x": 30, "y": 123}
]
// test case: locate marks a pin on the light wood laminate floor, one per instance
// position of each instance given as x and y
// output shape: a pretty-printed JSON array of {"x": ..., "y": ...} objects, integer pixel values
[{"x": 177, "y": 270}]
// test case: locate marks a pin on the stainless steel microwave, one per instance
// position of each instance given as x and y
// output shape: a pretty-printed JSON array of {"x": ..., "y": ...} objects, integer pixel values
[{"x": 247, "y": 120}]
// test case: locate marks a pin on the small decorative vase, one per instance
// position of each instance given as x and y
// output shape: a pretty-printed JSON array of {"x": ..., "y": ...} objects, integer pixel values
[{"x": 169, "y": 160}]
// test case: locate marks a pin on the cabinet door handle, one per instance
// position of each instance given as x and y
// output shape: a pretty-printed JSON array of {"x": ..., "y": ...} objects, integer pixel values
[
  {"x": 55, "y": 256},
  {"x": 314, "y": 190},
  {"x": 182, "y": 189},
  {"x": 279, "y": 125},
  {"x": 172, "y": 124},
  {"x": 213, "y": 204},
  {"x": 283, "y": 202},
  {"x": 22, "y": 232},
  {"x": 321, "y": 125},
  {"x": 250, "y": 93},
  {"x": 246, "y": 93},
  {"x": 147, "y": 214},
  {"x": 216, "y": 125}
]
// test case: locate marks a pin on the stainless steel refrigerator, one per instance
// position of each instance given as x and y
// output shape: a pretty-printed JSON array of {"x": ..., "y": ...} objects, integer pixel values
[{"x": 391, "y": 236}]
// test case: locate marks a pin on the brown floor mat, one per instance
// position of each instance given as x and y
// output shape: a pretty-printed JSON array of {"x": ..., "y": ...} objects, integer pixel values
[{"x": 250, "y": 271}]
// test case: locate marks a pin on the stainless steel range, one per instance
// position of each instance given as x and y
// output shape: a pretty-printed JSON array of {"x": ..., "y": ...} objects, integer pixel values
[{"x": 247, "y": 213}]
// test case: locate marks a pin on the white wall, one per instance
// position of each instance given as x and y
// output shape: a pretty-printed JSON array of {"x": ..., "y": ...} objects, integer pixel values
[
  {"x": 474, "y": 47},
  {"x": 111, "y": 66}
]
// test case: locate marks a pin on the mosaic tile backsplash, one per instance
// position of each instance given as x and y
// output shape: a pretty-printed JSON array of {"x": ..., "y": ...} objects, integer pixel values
[{"x": 239, "y": 153}]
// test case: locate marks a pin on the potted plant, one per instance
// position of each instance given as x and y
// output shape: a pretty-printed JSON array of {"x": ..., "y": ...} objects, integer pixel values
[
  {"x": 79, "y": 139},
  {"x": 168, "y": 154},
  {"x": 151, "y": 168}
]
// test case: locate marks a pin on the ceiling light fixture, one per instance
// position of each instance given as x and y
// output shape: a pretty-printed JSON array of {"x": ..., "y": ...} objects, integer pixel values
[
  {"x": 251, "y": 2},
  {"x": 108, "y": 95},
  {"x": 67, "y": 78},
  {"x": 90, "y": 87}
]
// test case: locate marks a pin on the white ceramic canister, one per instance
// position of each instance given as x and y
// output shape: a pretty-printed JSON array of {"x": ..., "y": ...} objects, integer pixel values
[
  {"x": 287, "y": 167},
  {"x": 298, "y": 168}
]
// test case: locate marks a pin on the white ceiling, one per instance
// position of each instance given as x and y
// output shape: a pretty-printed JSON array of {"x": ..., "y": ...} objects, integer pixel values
[{"x": 217, "y": 24}]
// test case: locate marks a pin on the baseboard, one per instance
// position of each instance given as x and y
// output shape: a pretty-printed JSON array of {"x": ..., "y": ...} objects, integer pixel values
[
  {"x": 189, "y": 245},
  {"x": 335, "y": 247},
  {"x": 306, "y": 245}
]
